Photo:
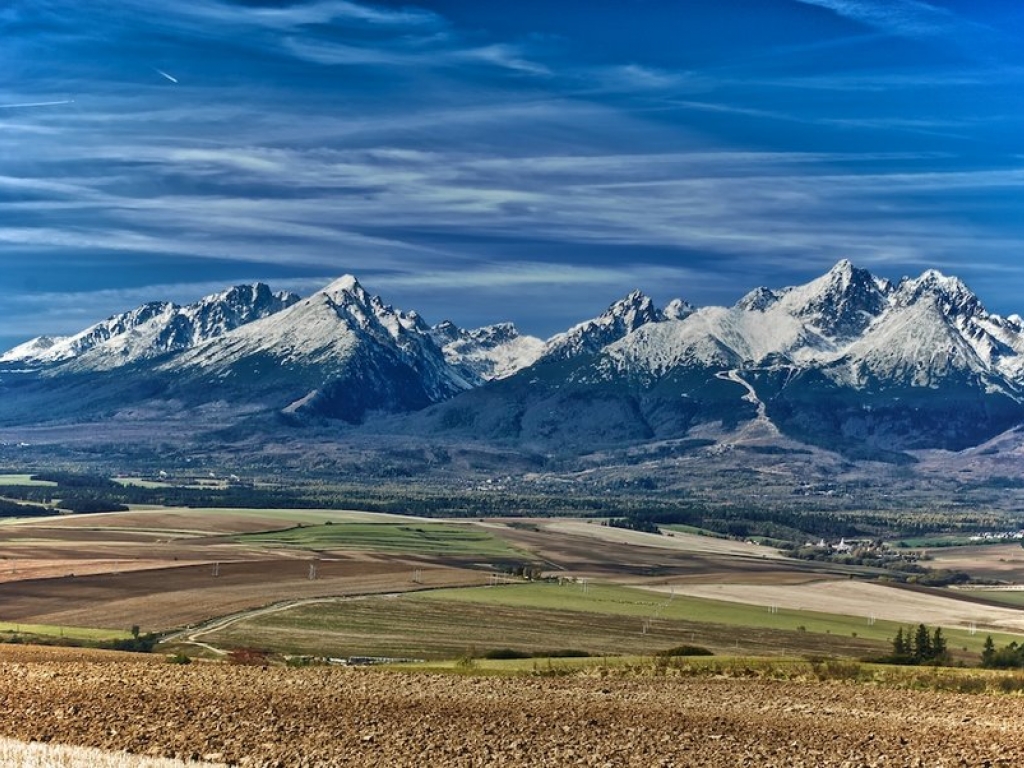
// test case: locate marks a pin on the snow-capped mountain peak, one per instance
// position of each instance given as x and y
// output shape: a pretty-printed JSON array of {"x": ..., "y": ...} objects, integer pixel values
[
  {"x": 348, "y": 297},
  {"x": 33, "y": 351},
  {"x": 950, "y": 294},
  {"x": 340, "y": 352},
  {"x": 758, "y": 300},
  {"x": 623, "y": 317},
  {"x": 344, "y": 288},
  {"x": 840, "y": 304},
  {"x": 678, "y": 309},
  {"x": 152, "y": 330},
  {"x": 846, "y": 357},
  {"x": 492, "y": 352}
]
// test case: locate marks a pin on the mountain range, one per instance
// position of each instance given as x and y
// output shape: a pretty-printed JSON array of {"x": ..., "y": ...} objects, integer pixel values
[{"x": 848, "y": 362}]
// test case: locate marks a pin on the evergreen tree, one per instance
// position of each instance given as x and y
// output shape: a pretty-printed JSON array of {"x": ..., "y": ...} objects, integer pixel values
[
  {"x": 939, "y": 652},
  {"x": 900, "y": 646},
  {"x": 922, "y": 644},
  {"x": 988, "y": 652}
]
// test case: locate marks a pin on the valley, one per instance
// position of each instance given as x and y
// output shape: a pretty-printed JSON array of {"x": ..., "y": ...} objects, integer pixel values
[
  {"x": 551, "y": 624},
  {"x": 262, "y": 481},
  {"x": 848, "y": 361},
  {"x": 161, "y": 569}
]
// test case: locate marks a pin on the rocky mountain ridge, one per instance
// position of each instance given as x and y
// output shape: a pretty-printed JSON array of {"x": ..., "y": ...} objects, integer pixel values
[
  {"x": 846, "y": 360},
  {"x": 153, "y": 330}
]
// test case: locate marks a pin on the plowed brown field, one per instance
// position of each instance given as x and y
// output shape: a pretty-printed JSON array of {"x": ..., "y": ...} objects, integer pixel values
[
  {"x": 333, "y": 717},
  {"x": 159, "y": 599}
]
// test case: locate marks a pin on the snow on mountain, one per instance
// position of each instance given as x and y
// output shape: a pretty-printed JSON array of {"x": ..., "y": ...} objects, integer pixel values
[
  {"x": 338, "y": 352},
  {"x": 932, "y": 329},
  {"x": 763, "y": 324},
  {"x": 918, "y": 331},
  {"x": 677, "y": 309},
  {"x": 488, "y": 353},
  {"x": 846, "y": 356},
  {"x": 916, "y": 346},
  {"x": 841, "y": 304},
  {"x": 657, "y": 348},
  {"x": 32, "y": 352},
  {"x": 621, "y": 318},
  {"x": 152, "y": 330},
  {"x": 998, "y": 343}
]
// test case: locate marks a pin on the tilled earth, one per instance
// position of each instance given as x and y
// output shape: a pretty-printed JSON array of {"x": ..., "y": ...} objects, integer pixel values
[{"x": 358, "y": 717}]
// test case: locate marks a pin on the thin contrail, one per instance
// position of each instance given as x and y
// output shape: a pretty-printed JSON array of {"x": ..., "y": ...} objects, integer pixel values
[
  {"x": 169, "y": 77},
  {"x": 37, "y": 104}
]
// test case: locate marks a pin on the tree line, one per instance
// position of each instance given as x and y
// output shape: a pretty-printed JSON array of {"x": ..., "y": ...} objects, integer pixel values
[{"x": 919, "y": 646}]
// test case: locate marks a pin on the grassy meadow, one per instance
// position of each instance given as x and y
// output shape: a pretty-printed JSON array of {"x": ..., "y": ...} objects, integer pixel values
[
  {"x": 599, "y": 619},
  {"x": 9, "y": 630},
  {"x": 24, "y": 479},
  {"x": 414, "y": 538}
]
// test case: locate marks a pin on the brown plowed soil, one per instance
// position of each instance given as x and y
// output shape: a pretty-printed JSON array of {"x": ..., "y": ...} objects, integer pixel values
[
  {"x": 351, "y": 717},
  {"x": 160, "y": 599}
]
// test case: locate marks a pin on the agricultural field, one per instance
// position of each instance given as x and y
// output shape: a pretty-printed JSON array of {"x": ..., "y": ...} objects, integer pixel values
[
  {"x": 1011, "y": 596},
  {"x": 592, "y": 618},
  {"x": 24, "y": 479},
  {"x": 1000, "y": 562},
  {"x": 594, "y": 607},
  {"x": 420, "y": 626},
  {"x": 866, "y": 601},
  {"x": 337, "y": 583},
  {"x": 20, "y": 754},
  {"x": 413, "y": 538},
  {"x": 744, "y": 713},
  {"x": 165, "y": 568}
]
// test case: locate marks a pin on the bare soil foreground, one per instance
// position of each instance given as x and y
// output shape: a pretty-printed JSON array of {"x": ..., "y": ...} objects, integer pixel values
[{"x": 356, "y": 717}]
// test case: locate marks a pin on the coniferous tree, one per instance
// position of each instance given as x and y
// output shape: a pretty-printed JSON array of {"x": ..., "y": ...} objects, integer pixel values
[
  {"x": 900, "y": 646},
  {"x": 922, "y": 644},
  {"x": 939, "y": 652},
  {"x": 988, "y": 652}
]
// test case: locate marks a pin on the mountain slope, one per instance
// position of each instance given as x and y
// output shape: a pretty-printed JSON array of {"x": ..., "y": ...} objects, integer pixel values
[
  {"x": 339, "y": 353},
  {"x": 150, "y": 331},
  {"x": 847, "y": 361},
  {"x": 491, "y": 352},
  {"x": 591, "y": 336}
]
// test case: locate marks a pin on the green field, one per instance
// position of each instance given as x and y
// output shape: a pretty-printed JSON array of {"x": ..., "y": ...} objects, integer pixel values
[
  {"x": 692, "y": 529},
  {"x": 411, "y": 627},
  {"x": 72, "y": 633},
  {"x": 275, "y": 517},
  {"x": 141, "y": 483},
  {"x": 938, "y": 542},
  {"x": 25, "y": 480},
  {"x": 415, "y": 538},
  {"x": 1011, "y": 597},
  {"x": 626, "y": 601},
  {"x": 543, "y": 617}
]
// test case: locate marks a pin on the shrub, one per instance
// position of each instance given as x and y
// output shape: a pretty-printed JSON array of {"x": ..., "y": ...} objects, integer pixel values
[
  {"x": 685, "y": 650},
  {"x": 249, "y": 657},
  {"x": 506, "y": 653},
  {"x": 563, "y": 653},
  {"x": 135, "y": 644},
  {"x": 837, "y": 669}
]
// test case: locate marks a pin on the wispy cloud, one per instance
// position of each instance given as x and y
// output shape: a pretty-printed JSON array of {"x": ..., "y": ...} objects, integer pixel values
[
  {"x": 300, "y": 14},
  {"x": 910, "y": 18},
  {"x": 328, "y": 136},
  {"x": 887, "y": 82},
  {"x": 32, "y": 104},
  {"x": 413, "y": 56}
]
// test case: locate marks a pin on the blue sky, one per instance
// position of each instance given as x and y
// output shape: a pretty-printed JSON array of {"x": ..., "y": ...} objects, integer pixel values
[{"x": 481, "y": 161}]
